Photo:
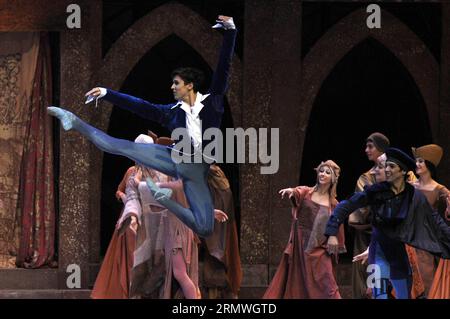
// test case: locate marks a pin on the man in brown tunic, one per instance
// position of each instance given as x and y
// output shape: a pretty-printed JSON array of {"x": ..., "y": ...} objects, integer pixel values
[{"x": 376, "y": 144}]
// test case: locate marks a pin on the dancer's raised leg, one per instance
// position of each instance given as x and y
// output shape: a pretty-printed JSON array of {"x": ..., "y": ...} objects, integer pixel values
[
  {"x": 200, "y": 215},
  {"x": 154, "y": 156}
]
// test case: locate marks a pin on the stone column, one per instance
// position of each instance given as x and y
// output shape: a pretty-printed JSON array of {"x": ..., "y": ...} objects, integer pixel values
[
  {"x": 257, "y": 96},
  {"x": 271, "y": 77},
  {"x": 80, "y": 55},
  {"x": 285, "y": 115}
]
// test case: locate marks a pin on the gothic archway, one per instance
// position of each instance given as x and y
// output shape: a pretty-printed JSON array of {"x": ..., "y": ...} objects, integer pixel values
[{"x": 394, "y": 35}]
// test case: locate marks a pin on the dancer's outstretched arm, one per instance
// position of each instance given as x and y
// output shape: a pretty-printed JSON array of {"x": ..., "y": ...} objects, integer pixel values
[
  {"x": 219, "y": 83},
  {"x": 143, "y": 108},
  {"x": 340, "y": 213},
  {"x": 343, "y": 210}
]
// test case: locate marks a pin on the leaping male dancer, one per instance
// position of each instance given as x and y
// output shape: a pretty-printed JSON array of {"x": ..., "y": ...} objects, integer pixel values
[{"x": 193, "y": 111}]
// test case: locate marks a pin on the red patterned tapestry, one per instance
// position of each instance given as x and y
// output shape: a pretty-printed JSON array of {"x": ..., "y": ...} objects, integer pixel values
[{"x": 36, "y": 197}]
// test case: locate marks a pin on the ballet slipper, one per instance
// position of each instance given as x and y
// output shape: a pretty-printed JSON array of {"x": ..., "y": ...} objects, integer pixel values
[
  {"x": 158, "y": 193},
  {"x": 67, "y": 118}
]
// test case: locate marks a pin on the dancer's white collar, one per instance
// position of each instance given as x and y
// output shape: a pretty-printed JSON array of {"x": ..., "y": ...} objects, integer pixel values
[{"x": 198, "y": 105}]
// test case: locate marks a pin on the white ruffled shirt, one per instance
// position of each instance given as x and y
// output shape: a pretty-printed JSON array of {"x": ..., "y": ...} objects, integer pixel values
[{"x": 193, "y": 122}]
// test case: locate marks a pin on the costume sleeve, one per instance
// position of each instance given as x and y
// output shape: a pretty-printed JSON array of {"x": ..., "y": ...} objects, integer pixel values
[
  {"x": 341, "y": 232},
  {"x": 143, "y": 108},
  {"x": 219, "y": 83},
  {"x": 298, "y": 195},
  {"x": 343, "y": 209},
  {"x": 359, "y": 217},
  {"x": 442, "y": 225},
  {"x": 444, "y": 198},
  {"x": 423, "y": 228},
  {"x": 132, "y": 205},
  {"x": 123, "y": 184},
  {"x": 363, "y": 181}
]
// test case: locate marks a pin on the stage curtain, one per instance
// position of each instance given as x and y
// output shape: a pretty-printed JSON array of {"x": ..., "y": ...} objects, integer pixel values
[
  {"x": 36, "y": 199},
  {"x": 18, "y": 57}
]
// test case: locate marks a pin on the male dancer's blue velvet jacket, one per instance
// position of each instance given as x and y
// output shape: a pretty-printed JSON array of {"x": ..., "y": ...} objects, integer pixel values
[
  {"x": 171, "y": 115},
  {"x": 403, "y": 218}
]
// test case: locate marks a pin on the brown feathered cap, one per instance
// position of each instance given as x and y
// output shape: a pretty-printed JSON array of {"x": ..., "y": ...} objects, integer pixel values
[{"x": 431, "y": 152}]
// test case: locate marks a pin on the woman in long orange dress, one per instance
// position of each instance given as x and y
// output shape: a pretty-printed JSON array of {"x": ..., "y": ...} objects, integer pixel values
[
  {"x": 306, "y": 270},
  {"x": 427, "y": 159}
]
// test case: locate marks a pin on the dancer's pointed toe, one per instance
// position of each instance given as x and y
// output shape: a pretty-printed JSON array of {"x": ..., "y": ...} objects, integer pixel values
[
  {"x": 53, "y": 110},
  {"x": 163, "y": 194},
  {"x": 151, "y": 184},
  {"x": 157, "y": 192},
  {"x": 67, "y": 118}
]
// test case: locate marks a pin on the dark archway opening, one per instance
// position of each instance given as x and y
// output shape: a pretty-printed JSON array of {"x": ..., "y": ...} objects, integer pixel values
[
  {"x": 150, "y": 79},
  {"x": 368, "y": 90}
]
